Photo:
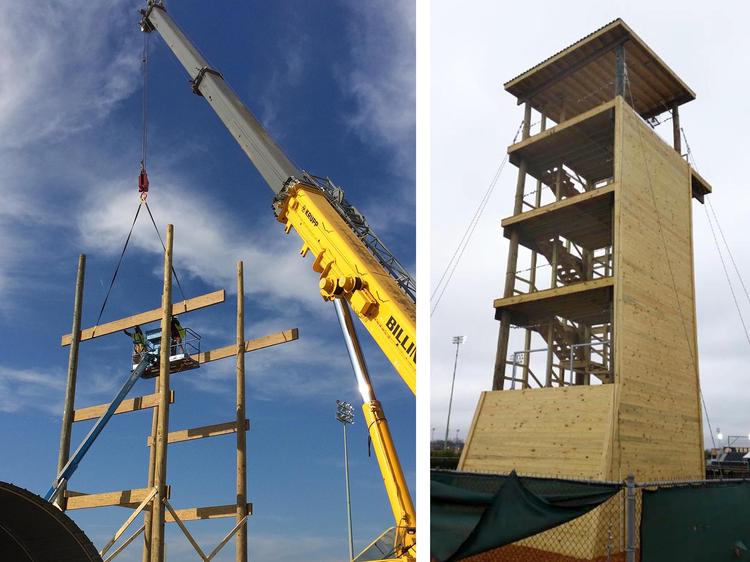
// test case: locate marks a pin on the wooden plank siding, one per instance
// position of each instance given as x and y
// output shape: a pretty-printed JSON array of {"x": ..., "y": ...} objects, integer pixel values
[
  {"x": 512, "y": 430},
  {"x": 659, "y": 433}
]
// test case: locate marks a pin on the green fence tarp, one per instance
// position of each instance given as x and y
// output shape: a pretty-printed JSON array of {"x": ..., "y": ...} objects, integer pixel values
[
  {"x": 473, "y": 513},
  {"x": 696, "y": 523}
]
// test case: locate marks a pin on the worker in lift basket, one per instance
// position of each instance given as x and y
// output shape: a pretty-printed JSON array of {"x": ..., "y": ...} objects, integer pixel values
[
  {"x": 178, "y": 335},
  {"x": 139, "y": 340}
]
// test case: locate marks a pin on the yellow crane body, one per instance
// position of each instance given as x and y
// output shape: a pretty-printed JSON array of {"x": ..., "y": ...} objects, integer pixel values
[
  {"x": 350, "y": 273},
  {"x": 393, "y": 478},
  {"x": 348, "y": 270}
]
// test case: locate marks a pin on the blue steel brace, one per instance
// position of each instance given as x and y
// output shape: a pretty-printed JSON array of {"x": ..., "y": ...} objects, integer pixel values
[{"x": 148, "y": 359}]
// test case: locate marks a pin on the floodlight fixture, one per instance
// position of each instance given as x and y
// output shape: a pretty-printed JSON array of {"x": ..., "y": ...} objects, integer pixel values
[{"x": 344, "y": 412}]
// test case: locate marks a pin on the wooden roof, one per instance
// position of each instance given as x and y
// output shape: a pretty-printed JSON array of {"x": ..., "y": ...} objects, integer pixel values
[{"x": 582, "y": 76}]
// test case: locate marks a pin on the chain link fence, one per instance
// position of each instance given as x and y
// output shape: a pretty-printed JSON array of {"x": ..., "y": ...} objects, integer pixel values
[{"x": 612, "y": 531}]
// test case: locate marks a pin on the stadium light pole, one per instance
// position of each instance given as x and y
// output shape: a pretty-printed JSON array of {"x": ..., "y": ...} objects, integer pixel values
[
  {"x": 457, "y": 340},
  {"x": 345, "y": 414}
]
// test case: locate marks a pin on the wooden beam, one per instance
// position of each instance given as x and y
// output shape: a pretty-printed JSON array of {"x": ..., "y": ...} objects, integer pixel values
[
  {"x": 250, "y": 345},
  {"x": 126, "y": 498},
  {"x": 182, "y": 307},
  {"x": 209, "y": 512},
  {"x": 130, "y": 405},
  {"x": 557, "y": 205},
  {"x": 556, "y": 292},
  {"x": 593, "y": 112},
  {"x": 201, "y": 432}
]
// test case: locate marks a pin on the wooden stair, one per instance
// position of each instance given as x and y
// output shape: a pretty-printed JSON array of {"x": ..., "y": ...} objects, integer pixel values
[
  {"x": 567, "y": 187},
  {"x": 570, "y": 268},
  {"x": 563, "y": 337}
]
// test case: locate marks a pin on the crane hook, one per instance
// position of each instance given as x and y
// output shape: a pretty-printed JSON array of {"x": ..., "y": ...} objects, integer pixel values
[{"x": 143, "y": 183}]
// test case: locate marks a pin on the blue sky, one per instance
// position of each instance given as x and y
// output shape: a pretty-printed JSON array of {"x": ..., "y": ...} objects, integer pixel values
[{"x": 334, "y": 83}]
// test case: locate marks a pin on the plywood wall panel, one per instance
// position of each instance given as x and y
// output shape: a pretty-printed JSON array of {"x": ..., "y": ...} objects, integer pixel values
[
  {"x": 658, "y": 421},
  {"x": 543, "y": 431}
]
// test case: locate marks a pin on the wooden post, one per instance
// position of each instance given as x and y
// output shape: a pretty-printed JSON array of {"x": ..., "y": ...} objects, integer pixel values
[
  {"x": 241, "y": 543},
  {"x": 151, "y": 465},
  {"x": 501, "y": 353},
  {"x": 677, "y": 138},
  {"x": 532, "y": 273},
  {"x": 70, "y": 389},
  {"x": 620, "y": 70},
  {"x": 550, "y": 352},
  {"x": 553, "y": 263},
  {"x": 160, "y": 445}
]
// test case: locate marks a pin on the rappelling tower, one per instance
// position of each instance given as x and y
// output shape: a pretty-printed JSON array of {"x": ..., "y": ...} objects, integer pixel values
[{"x": 596, "y": 372}]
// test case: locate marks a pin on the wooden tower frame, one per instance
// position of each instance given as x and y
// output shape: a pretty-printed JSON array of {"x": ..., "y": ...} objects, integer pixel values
[
  {"x": 153, "y": 500},
  {"x": 613, "y": 388}
]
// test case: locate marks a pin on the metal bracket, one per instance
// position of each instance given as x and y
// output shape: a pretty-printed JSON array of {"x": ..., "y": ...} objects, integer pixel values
[
  {"x": 196, "y": 82},
  {"x": 146, "y": 25}
]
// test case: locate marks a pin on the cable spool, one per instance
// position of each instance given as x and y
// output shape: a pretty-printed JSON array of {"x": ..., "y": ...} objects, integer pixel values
[{"x": 33, "y": 530}]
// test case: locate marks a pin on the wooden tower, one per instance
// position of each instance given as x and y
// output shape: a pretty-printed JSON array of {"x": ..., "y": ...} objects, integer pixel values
[
  {"x": 596, "y": 372},
  {"x": 153, "y": 501}
]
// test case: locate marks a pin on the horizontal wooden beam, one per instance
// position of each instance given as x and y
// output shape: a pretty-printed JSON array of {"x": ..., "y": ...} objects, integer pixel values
[
  {"x": 250, "y": 345},
  {"x": 565, "y": 290},
  {"x": 146, "y": 317},
  {"x": 130, "y": 405},
  {"x": 201, "y": 432},
  {"x": 607, "y": 106},
  {"x": 126, "y": 498},
  {"x": 210, "y": 512},
  {"x": 557, "y": 205}
]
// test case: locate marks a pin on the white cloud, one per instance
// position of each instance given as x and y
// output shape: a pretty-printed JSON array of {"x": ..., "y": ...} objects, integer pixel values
[
  {"x": 208, "y": 240},
  {"x": 383, "y": 84},
  {"x": 383, "y": 80},
  {"x": 61, "y": 59},
  {"x": 66, "y": 66},
  {"x": 24, "y": 388},
  {"x": 307, "y": 368}
]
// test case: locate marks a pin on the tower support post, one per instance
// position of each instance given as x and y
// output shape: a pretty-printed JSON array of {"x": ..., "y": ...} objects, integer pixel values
[
  {"x": 501, "y": 354},
  {"x": 70, "y": 388},
  {"x": 162, "y": 428},
  {"x": 620, "y": 70},
  {"x": 241, "y": 542},
  {"x": 676, "y": 138}
]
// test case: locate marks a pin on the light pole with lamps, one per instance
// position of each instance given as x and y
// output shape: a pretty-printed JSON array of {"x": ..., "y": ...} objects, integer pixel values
[
  {"x": 457, "y": 340},
  {"x": 345, "y": 414},
  {"x": 730, "y": 438}
]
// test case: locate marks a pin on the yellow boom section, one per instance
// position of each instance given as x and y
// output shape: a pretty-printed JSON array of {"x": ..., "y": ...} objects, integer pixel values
[{"x": 348, "y": 270}]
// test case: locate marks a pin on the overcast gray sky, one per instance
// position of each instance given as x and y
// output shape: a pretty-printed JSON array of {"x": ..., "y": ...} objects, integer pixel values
[{"x": 477, "y": 48}]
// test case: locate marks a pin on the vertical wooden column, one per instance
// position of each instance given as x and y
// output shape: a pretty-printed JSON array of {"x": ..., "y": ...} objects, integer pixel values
[
  {"x": 676, "y": 137},
  {"x": 160, "y": 445},
  {"x": 151, "y": 465},
  {"x": 70, "y": 388},
  {"x": 241, "y": 543},
  {"x": 501, "y": 354},
  {"x": 532, "y": 278},
  {"x": 620, "y": 70},
  {"x": 550, "y": 353}
]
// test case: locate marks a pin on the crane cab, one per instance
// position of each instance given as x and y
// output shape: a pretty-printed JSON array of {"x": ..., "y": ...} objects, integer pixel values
[{"x": 183, "y": 355}]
